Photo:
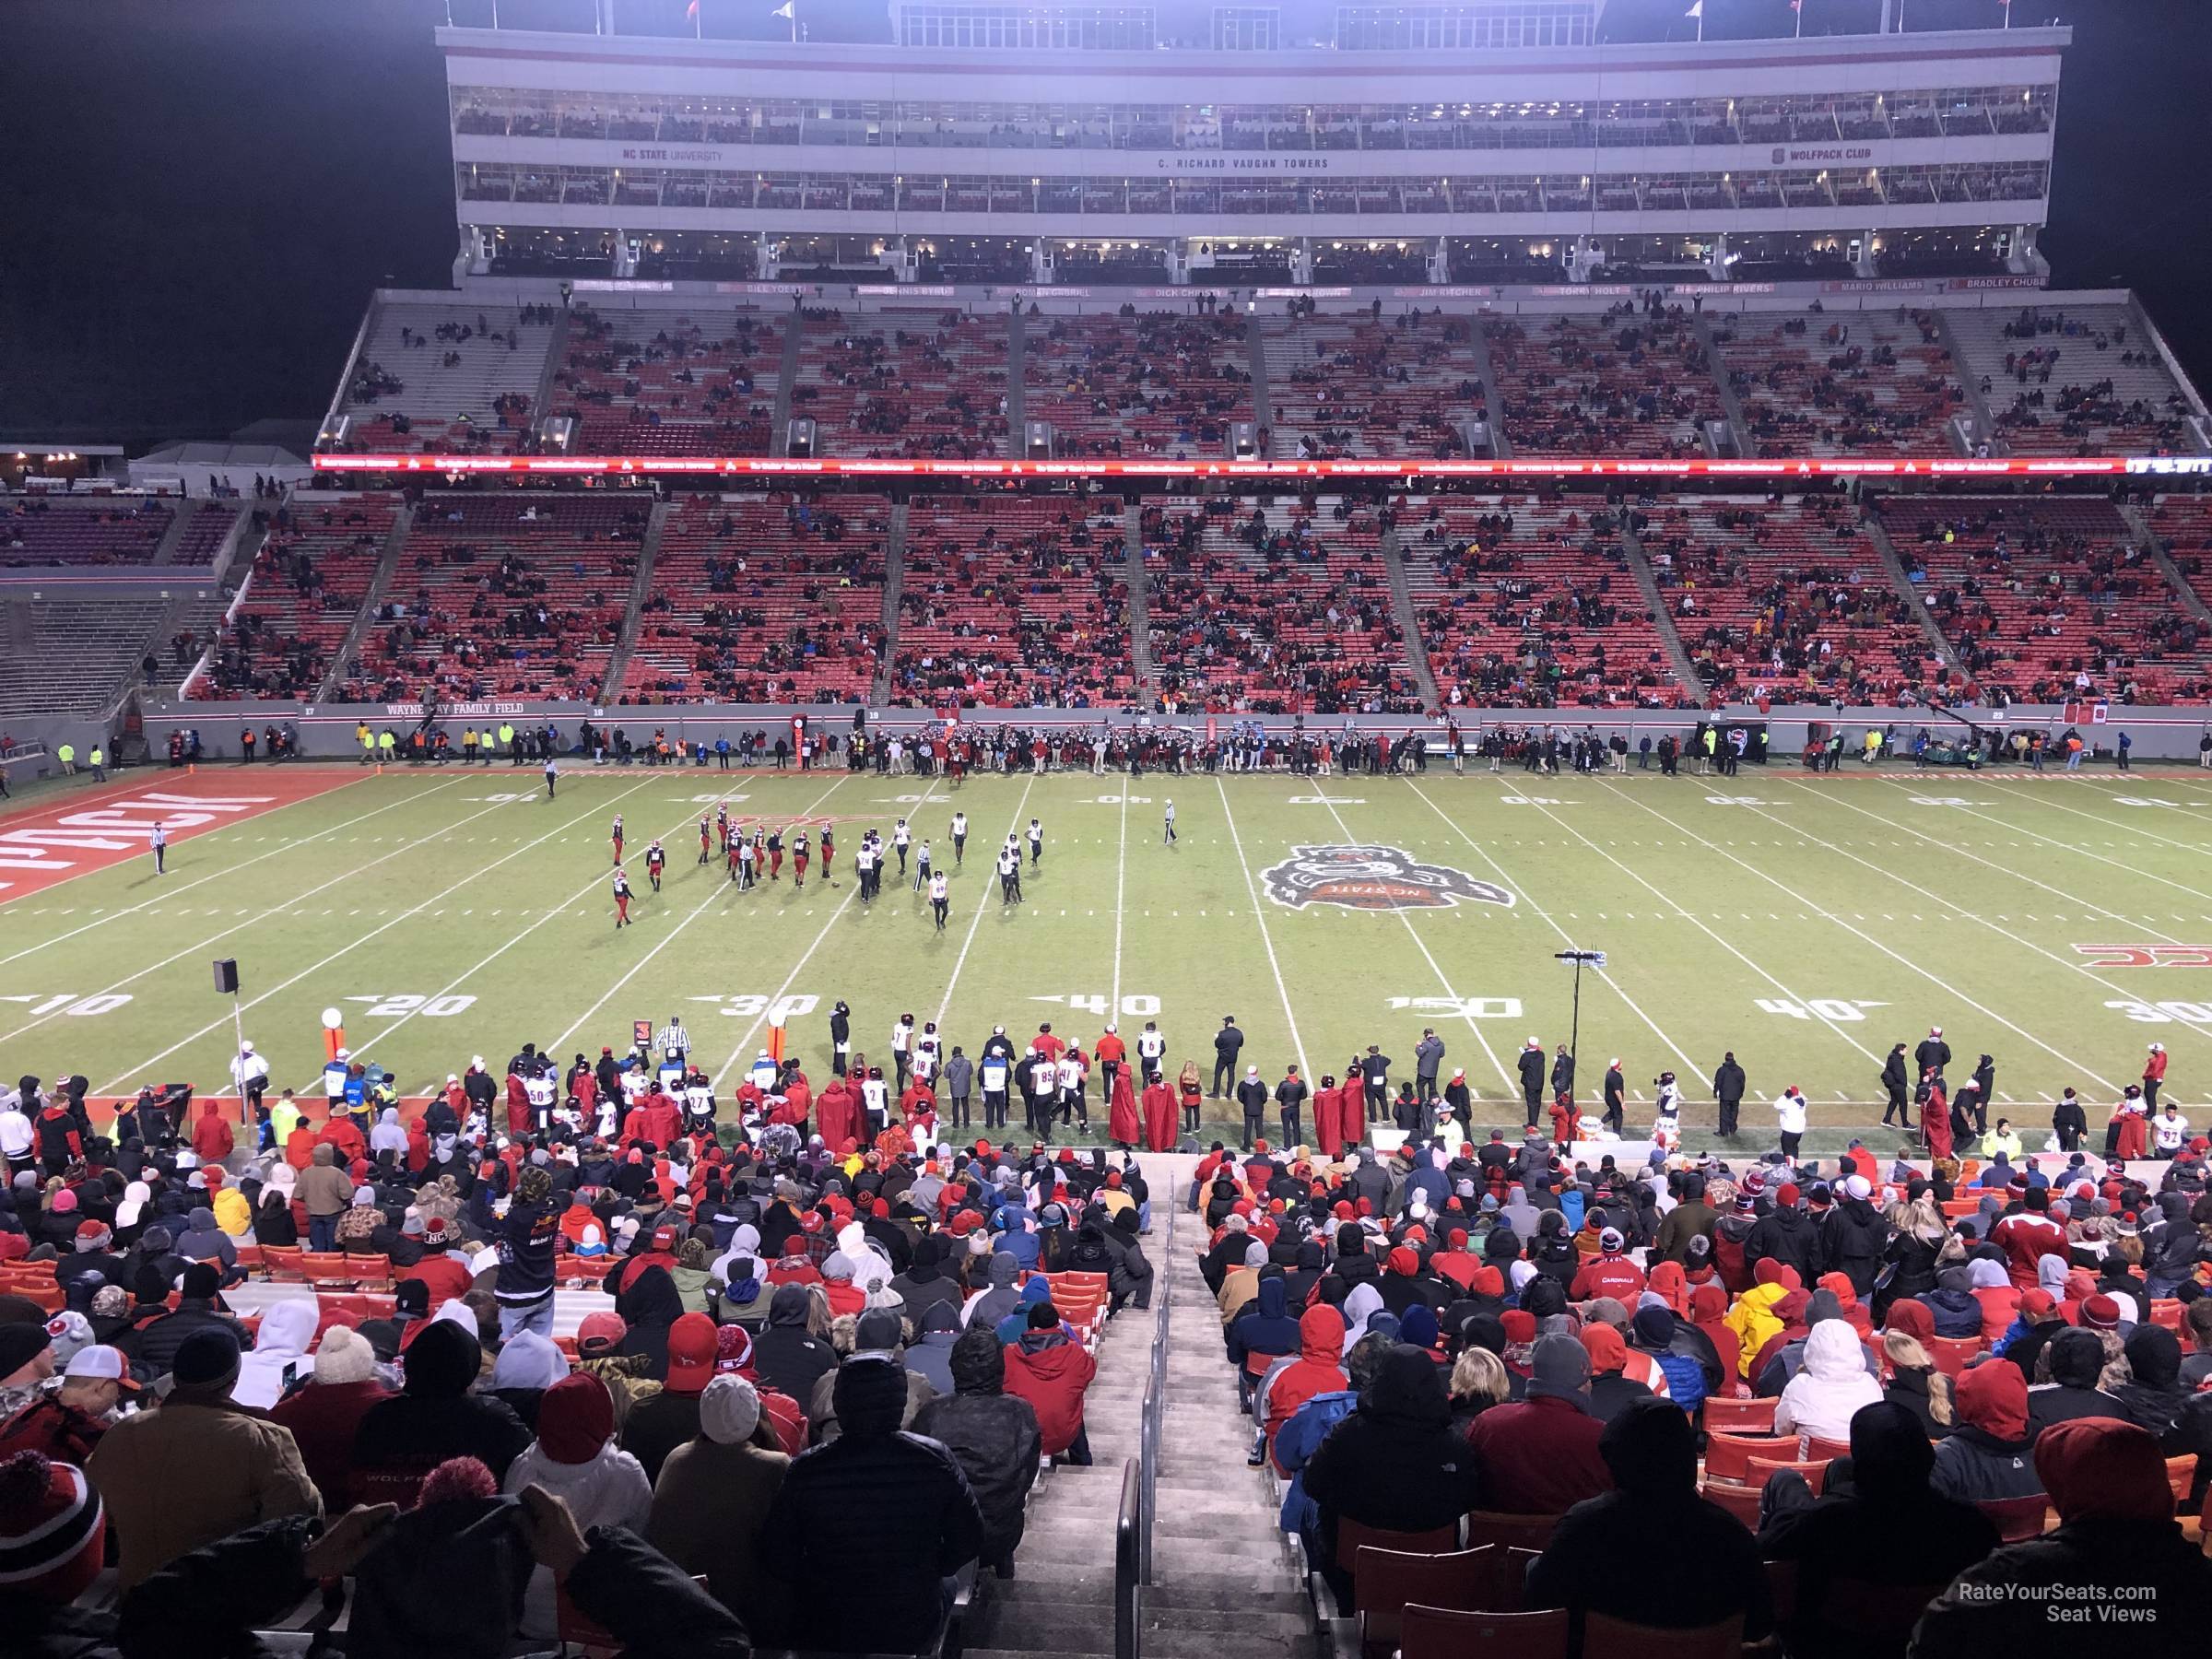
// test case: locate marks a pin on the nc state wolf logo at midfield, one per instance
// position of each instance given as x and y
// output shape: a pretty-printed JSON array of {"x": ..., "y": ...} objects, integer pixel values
[{"x": 1372, "y": 877}]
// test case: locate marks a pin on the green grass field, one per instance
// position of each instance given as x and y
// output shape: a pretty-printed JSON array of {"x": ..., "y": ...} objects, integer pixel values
[{"x": 1806, "y": 922}]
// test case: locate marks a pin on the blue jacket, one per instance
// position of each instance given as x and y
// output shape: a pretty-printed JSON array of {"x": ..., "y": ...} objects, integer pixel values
[
  {"x": 1264, "y": 1325},
  {"x": 1685, "y": 1379},
  {"x": 1295, "y": 1444}
]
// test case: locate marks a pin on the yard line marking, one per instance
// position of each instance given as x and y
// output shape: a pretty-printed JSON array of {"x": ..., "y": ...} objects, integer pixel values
[
  {"x": 357, "y": 943},
  {"x": 976, "y": 921},
  {"x": 806, "y": 955},
  {"x": 1565, "y": 938},
  {"x": 1695, "y": 921},
  {"x": 2082, "y": 968},
  {"x": 1933, "y": 978},
  {"x": 1121, "y": 873},
  {"x": 2096, "y": 787},
  {"x": 273, "y": 911},
  {"x": 718, "y": 893},
  {"x": 231, "y": 869},
  {"x": 1259, "y": 916},
  {"x": 2065, "y": 846}
]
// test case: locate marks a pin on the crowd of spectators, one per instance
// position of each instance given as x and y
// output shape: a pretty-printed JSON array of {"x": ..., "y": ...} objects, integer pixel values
[
  {"x": 923, "y": 386},
  {"x": 1814, "y": 384}
]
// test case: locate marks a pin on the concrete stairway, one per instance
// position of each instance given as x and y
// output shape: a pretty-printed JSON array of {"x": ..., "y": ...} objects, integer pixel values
[
  {"x": 1946, "y": 652},
  {"x": 2141, "y": 533},
  {"x": 1670, "y": 638},
  {"x": 633, "y": 616},
  {"x": 1409, "y": 620},
  {"x": 779, "y": 441},
  {"x": 1139, "y": 583},
  {"x": 1731, "y": 404},
  {"x": 1223, "y": 1584},
  {"x": 387, "y": 566},
  {"x": 1493, "y": 400},
  {"x": 1262, "y": 405},
  {"x": 894, "y": 585},
  {"x": 1016, "y": 368},
  {"x": 1970, "y": 381}
]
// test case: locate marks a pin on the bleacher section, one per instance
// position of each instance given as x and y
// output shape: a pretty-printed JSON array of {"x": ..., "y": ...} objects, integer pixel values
[
  {"x": 1349, "y": 384},
  {"x": 2046, "y": 600},
  {"x": 40, "y": 530},
  {"x": 1155, "y": 384},
  {"x": 509, "y": 594},
  {"x": 2067, "y": 380},
  {"x": 203, "y": 536},
  {"x": 458, "y": 378},
  {"x": 692, "y": 383},
  {"x": 1788, "y": 601},
  {"x": 1013, "y": 601},
  {"x": 1527, "y": 605},
  {"x": 907, "y": 383},
  {"x": 1851, "y": 383},
  {"x": 307, "y": 583},
  {"x": 71, "y": 657},
  {"x": 1280, "y": 610},
  {"x": 763, "y": 599},
  {"x": 2183, "y": 526},
  {"x": 1624, "y": 384}
]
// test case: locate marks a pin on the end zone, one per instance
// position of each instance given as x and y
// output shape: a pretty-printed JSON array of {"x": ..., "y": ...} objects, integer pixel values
[{"x": 48, "y": 845}]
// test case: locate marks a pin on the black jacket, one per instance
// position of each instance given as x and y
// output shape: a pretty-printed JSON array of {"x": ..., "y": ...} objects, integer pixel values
[
  {"x": 2146, "y": 1559},
  {"x": 784, "y": 1357},
  {"x": 992, "y": 1434},
  {"x": 1728, "y": 1083},
  {"x": 1532, "y": 1073},
  {"x": 1228, "y": 1041},
  {"x": 156, "y": 1345},
  {"x": 1786, "y": 1235},
  {"x": 1933, "y": 1051},
  {"x": 1975, "y": 1467},
  {"x": 1394, "y": 1463},
  {"x": 1851, "y": 1236},
  {"x": 896, "y": 1501}
]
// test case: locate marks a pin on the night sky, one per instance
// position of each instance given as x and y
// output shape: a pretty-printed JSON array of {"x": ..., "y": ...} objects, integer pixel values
[{"x": 199, "y": 194}]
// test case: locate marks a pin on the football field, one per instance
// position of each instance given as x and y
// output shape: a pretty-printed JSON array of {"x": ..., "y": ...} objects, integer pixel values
[{"x": 2060, "y": 923}]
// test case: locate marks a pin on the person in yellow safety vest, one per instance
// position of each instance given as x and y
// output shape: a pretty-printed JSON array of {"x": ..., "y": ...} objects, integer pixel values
[
  {"x": 66, "y": 755},
  {"x": 484, "y": 744},
  {"x": 507, "y": 743},
  {"x": 386, "y": 742},
  {"x": 1713, "y": 739},
  {"x": 368, "y": 744},
  {"x": 469, "y": 744},
  {"x": 1873, "y": 750},
  {"x": 99, "y": 763}
]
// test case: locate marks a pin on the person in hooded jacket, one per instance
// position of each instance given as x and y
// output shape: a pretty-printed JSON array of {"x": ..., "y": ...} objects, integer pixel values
[
  {"x": 1991, "y": 1453},
  {"x": 1319, "y": 1369},
  {"x": 2116, "y": 1531},
  {"x": 435, "y": 1416},
  {"x": 1880, "y": 1524},
  {"x": 896, "y": 1501},
  {"x": 926, "y": 1282},
  {"x": 280, "y": 1345},
  {"x": 1831, "y": 1388},
  {"x": 575, "y": 1459},
  {"x": 1952, "y": 1305},
  {"x": 1786, "y": 1234},
  {"x": 1651, "y": 1550},
  {"x": 1611, "y": 1393},
  {"x": 2073, "y": 1361},
  {"x": 1003, "y": 1295},
  {"x": 155, "y": 1346},
  {"x": 527, "y": 1364},
  {"x": 995, "y": 1437},
  {"x": 1393, "y": 1462},
  {"x": 1266, "y": 1327},
  {"x": 929, "y": 1356},
  {"x": 786, "y": 1356},
  {"x": 1684, "y": 1354},
  {"x": 649, "y": 1308}
]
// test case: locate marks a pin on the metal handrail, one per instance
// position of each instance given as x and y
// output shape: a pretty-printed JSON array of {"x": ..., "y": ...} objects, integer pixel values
[
  {"x": 1129, "y": 1534},
  {"x": 1154, "y": 1411}
]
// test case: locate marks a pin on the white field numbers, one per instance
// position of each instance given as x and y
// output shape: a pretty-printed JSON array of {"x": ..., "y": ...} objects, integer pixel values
[
  {"x": 2165, "y": 1013},
  {"x": 1141, "y": 1007},
  {"x": 1817, "y": 1008},
  {"x": 70, "y": 1003},
  {"x": 752, "y": 1004},
  {"x": 430, "y": 1007},
  {"x": 1460, "y": 1008}
]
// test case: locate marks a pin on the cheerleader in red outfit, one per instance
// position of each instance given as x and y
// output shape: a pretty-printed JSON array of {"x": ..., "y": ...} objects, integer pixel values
[{"x": 621, "y": 899}]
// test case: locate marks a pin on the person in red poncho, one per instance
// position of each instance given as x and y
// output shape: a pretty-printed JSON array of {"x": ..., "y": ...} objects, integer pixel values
[
  {"x": 799, "y": 1101},
  {"x": 834, "y": 1113},
  {"x": 344, "y": 1133},
  {"x": 1935, "y": 1116},
  {"x": 1122, "y": 1127},
  {"x": 1328, "y": 1117},
  {"x": 418, "y": 1146},
  {"x": 211, "y": 1136},
  {"x": 2134, "y": 1142},
  {"x": 519, "y": 1119},
  {"x": 1159, "y": 1115},
  {"x": 655, "y": 1118}
]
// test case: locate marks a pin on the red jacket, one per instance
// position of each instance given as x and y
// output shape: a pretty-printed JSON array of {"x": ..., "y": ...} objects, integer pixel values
[
  {"x": 211, "y": 1136},
  {"x": 1318, "y": 1369},
  {"x": 2025, "y": 1239},
  {"x": 1613, "y": 1275},
  {"x": 446, "y": 1277},
  {"x": 1539, "y": 1456},
  {"x": 324, "y": 1419},
  {"x": 2154, "y": 1068},
  {"x": 655, "y": 1119},
  {"x": 1052, "y": 1375}
]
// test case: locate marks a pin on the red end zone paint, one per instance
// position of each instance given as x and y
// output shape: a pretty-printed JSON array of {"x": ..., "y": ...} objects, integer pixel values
[{"x": 107, "y": 827}]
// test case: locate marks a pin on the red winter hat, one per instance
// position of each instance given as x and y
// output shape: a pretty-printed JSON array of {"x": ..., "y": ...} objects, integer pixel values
[
  {"x": 51, "y": 1528},
  {"x": 1403, "y": 1261},
  {"x": 663, "y": 1237},
  {"x": 2101, "y": 1312},
  {"x": 1520, "y": 1325},
  {"x": 1786, "y": 1194},
  {"x": 575, "y": 1419},
  {"x": 811, "y": 1221},
  {"x": 1342, "y": 1209},
  {"x": 880, "y": 1209},
  {"x": 1607, "y": 1351},
  {"x": 1458, "y": 1238},
  {"x": 691, "y": 1353},
  {"x": 1487, "y": 1281}
]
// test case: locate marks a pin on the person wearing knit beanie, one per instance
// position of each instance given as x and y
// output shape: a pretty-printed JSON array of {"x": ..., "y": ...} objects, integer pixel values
[
  {"x": 574, "y": 1458},
  {"x": 51, "y": 1530},
  {"x": 711, "y": 1501},
  {"x": 575, "y": 1419},
  {"x": 729, "y": 1410},
  {"x": 344, "y": 1356}
]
